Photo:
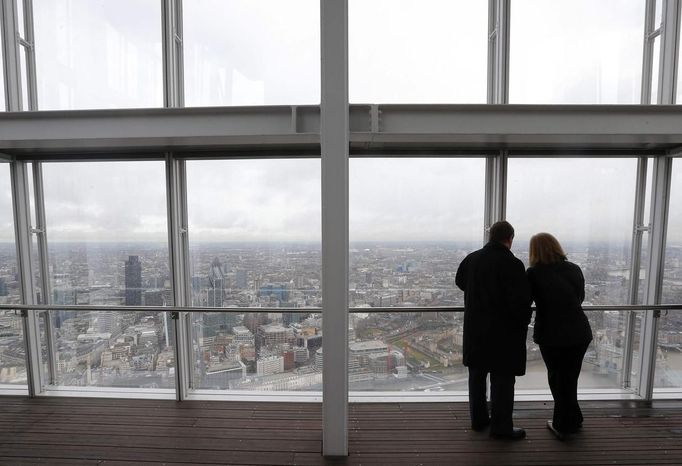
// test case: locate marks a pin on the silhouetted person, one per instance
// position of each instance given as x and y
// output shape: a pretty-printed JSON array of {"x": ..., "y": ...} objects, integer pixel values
[
  {"x": 497, "y": 312},
  {"x": 561, "y": 327}
]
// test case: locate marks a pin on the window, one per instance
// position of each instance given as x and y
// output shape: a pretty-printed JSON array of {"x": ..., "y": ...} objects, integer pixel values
[
  {"x": 254, "y": 231},
  {"x": 566, "y": 197},
  {"x": 108, "y": 245},
  {"x": 245, "y": 52},
  {"x": 411, "y": 223},
  {"x": 410, "y": 51},
  {"x": 576, "y": 51},
  {"x": 98, "y": 54}
]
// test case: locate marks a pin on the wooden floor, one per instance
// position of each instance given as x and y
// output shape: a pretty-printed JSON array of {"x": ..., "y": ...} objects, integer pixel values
[{"x": 79, "y": 431}]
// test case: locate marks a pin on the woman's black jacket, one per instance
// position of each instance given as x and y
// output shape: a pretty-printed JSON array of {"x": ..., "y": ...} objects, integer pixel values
[{"x": 558, "y": 291}]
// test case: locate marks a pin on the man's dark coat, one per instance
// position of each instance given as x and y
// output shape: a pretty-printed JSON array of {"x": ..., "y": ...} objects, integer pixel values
[{"x": 497, "y": 310}]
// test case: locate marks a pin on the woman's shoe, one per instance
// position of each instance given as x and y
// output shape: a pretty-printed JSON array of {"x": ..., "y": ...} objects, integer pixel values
[{"x": 558, "y": 434}]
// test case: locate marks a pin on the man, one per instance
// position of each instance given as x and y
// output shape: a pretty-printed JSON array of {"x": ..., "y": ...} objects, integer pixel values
[{"x": 497, "y": 311}]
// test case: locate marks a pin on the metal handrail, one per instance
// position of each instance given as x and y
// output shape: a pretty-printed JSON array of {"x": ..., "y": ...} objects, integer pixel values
[{"x": 305, "y": 310}]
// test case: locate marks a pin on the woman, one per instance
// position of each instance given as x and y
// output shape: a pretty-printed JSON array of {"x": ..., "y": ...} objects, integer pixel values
[{"x": 561, "y": 328}]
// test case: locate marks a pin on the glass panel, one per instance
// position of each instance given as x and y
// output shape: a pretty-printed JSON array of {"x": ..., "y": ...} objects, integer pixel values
[
  {"x": 2, "y": 74},
  {"x": 656, "y": 64},
  {"x": 411, "y": 222},
  {"x": 678, "y": 99},
  {"x": 257, "y": 351},
  {"x": 576, "y": 51},
  {"x": 422, "y": 351},
  {"x": 603, "y": 362},
  {"x": 566, "y": 197},
  {"x": 254, "y": 230},
  {"x": 245, "y": 52},
  {"x": 12, "y": 350},
  {"x": 108, "y": 245},
  {"x": 669, "y": 355},
  {"x": 96, "y": 54},
  {"x": 10, "y": 288},
  {"x": 113, "y": 349},
  {"x": 24, "y": 78},
  {"x": 410, "y": 351},
  {"x": 407, "y": 51},
  {"x": 672, "y": 276}
]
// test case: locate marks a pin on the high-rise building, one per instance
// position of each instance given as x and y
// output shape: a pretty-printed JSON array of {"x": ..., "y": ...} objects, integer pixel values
[
  {"x": 216, "y": 284},
  {"x": 133, "y": 281}
]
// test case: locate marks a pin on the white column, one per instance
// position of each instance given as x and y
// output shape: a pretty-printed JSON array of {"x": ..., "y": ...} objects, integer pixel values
[{"x": 334, "y": 138}]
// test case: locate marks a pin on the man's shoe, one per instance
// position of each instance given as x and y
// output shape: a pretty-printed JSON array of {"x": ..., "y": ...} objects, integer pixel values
[
  {"x": 557, "y": 433},
  {"x": 480, "y": 427},
  {"x": 517, "y": 433}
]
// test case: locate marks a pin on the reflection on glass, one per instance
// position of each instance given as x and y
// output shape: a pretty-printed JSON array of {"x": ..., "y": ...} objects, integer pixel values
[
  {"x": 107, "y": 233},
  {"x": 411, "y": 222},
  {"x": 669, "y": 351},
  {"x": 576, "y": 51},
  {"x": 113, "y": 349},
  {"x": 588, "y": 205},
  {"x": 12, "y": 350},
  {"x": 97, "y": 54},
  {"x": 407, "y": 51},
  {"x": 245, "y": 52},
  {"x": 254, "y": 231},
  {"x": 257, "y": 351}
]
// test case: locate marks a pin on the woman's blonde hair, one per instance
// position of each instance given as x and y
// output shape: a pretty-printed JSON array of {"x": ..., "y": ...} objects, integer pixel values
[{"x": 545, "y": 249}]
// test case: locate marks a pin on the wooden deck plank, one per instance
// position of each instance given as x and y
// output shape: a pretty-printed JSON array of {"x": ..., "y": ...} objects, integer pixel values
[{"x": 118, "y": 432}]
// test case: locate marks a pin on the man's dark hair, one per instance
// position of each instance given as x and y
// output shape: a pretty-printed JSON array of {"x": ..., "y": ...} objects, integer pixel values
[{"x": 501, "y": 232}]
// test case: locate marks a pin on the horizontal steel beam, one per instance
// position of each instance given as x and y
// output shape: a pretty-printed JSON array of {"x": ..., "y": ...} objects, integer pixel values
[
  {"x": 159, "y": 129},
  {"x": 374, "y": 129}
]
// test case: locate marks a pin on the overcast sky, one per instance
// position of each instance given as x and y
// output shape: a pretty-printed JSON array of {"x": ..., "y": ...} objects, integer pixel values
[{"x": 95, "y": 54}]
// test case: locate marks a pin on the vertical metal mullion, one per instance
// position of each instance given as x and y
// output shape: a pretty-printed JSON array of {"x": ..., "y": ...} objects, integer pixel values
[
  {"x": 334, "y": 141},
  {"x": 503, "y": 12},
  {"x": 29, "y": 50},
  {"x": 171, "y": 11},
  {"x": 495, "y": 190},
  {"x": 648, "y": 51},
  {"x": 657, "y": 239},
  {"x": 638, "y": 229},
  {"x": 22, "y": 229},
  {"x": 43, "y": 257},
  {"x": 11, "y": 61},
  {"x": 667, "y": 76},
  {"x": 498, "y": 51},
  {"x": 492, "y": 47},
  {"x": 179, "y": 267}
]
